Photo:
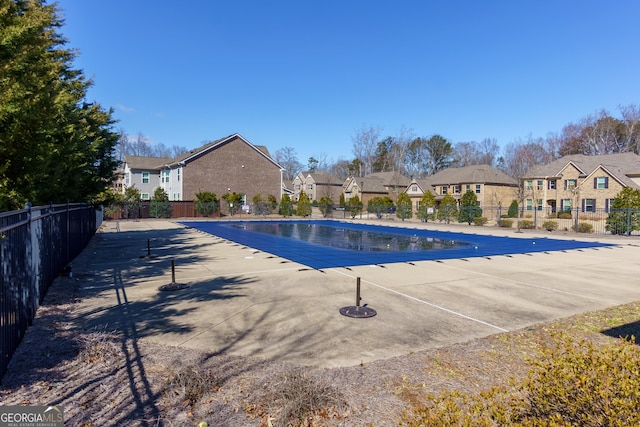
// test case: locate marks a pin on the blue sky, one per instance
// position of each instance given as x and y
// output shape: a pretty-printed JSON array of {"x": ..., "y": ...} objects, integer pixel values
[{"x": 309, "y": 74}]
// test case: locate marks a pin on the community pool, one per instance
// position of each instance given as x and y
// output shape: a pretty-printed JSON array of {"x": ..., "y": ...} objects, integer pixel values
[{"x": 327, "y": 243}]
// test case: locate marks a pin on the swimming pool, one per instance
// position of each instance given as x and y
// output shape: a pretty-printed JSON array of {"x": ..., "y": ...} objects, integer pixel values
[{"x": 327, "y": 243}]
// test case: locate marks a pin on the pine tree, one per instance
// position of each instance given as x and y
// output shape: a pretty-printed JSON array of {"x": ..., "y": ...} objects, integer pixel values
[
  {"x": 54, "y": 146},
  {"x": 304, "y": 205}
]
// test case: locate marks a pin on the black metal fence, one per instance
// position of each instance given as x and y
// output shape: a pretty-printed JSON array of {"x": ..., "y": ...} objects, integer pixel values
[
  {"x": 600, "y": 221},
  {"x": 36, "y": 245}
]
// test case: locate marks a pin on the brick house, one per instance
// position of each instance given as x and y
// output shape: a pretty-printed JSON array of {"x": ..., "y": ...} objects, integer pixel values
[
  {"x": 227, "y": 165},
  {"x": 588, "y": 183},
  {"x": 492, "y": 187},
  {"x": 378, "y": 184},
  {"x": 317, "y": 185}
]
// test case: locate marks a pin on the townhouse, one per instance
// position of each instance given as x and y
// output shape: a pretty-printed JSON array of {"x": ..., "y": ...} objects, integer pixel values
[
  {"x": 227, "y": 165},
  {"x": 585, "y": 183}
]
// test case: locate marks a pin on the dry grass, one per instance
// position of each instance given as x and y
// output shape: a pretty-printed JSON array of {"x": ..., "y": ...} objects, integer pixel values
[{"x": 102, "y": 379}]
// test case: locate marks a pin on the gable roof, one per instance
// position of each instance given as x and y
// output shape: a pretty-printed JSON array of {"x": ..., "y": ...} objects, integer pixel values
[
  {"x": 146, "y": 163},
  {"x": 619, "y": 165},
  {"x": 476, "y": 174},
  {"x": 196, "y": 152},
  {"x": 322, "y": 178}
]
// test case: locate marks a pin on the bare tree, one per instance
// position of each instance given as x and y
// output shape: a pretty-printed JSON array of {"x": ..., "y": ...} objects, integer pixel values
[
  {"x": 520, "y": 156},
  {"x": 365, "y": 141},
  {"x": 288, "y": 159},
  {"x": 631, "y": 127}
]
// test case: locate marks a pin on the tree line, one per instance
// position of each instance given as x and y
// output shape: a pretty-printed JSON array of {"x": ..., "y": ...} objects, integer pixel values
[{"x": 422, "y": 156}]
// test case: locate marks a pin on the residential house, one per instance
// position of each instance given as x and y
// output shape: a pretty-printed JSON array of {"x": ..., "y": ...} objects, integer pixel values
[
  {"x": 588, "y": 183},
  {"x": 378, "y": 184},
  {"x": 227, "y": 165},
  {"x": 317, "y": 185},
  {"x": 493, "y": 188},
  {"x": 143, "y": 173}
]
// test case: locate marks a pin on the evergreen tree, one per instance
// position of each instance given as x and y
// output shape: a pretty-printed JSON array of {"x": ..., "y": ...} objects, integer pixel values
[
  {"x": 206, "y": 203},
  {"x": 304, "y": 205},
  {"x": 160, "y": 206},
  {"x": 427, "y": 209},
  {"x": 54, "y": 146},
  {"x": 405, "y": 210},
  {"x": 326, "y": 206},
  {"x": 624, "y": 215},
  {"x": 469, "y": 207},
  {"x": 132, "y": 202},
  {"x": 513, "y": 209},
  {"x": 380, "y": 205},
  {"x": 286, "y": 208},
  {"x": 447, "y": 210},
  {"x": 234, "y": 202},
  {"x": 354, "y": 206}
]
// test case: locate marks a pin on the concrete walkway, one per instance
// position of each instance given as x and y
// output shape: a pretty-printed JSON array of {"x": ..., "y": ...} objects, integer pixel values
[{"x": 246, "y": 302}]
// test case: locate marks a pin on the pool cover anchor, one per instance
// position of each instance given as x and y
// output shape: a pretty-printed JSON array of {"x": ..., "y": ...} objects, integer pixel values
[
  {"x": 358, "y": 310},
  {"x": 173, "y": 286}
]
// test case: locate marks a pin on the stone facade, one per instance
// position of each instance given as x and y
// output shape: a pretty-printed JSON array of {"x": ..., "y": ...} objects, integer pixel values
[{"x": 586, "y": 183}]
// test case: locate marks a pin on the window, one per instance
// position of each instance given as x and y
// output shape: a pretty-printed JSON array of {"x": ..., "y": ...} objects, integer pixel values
[
  {"x": 539, "y": 203},
  {"x": 529, "y": 185},
  {"x": 529, "y": 204},
  {"x": 588, "y": 205},
  {"x": 444, "y": 189},
  {"x": 477, "y": 188},
  {"x": 309, "y": 186},
  {"x": 178, "y": 174},
  {"x": 539, "y": 185},
  {"x": 552, "y": 184},
  {"x": 297, "y": 187},
  {"x": 468, "y": 187},
  {"x": 570, "y": 184},
  {"x": 456, "y": 189},
  {"x": 145, "y": 178},
  {"x": 144, "y": 196},
  {"x": 608, "y": 204},
  {"x": 601, "y": 182},
  {"x": 414, "y": 188},
  {"x": 164, "y": 176},
  {"x": 566, "y": 205}
]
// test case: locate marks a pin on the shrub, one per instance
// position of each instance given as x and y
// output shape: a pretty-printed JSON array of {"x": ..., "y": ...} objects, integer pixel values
[
  {"x": 513, "y": 209},
  {"x": 550, "y": 225},
  {"x": 479, "y": 221},
  {"x": 527, "y": 224},
  {"x": 572, "y": 383},
  {"x": 297, "y": 398},
  {"x": 506, "y": 223},
  {"x": 564, "y": 215},
  {"x": 584, "y": 227},
  {"x": 206, "y": 203}
]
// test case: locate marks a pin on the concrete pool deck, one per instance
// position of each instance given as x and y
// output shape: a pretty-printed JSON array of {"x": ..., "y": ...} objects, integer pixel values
[{"x": 247, "y": 302}]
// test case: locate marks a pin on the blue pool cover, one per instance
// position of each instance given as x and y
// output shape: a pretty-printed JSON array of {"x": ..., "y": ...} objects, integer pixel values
[{"x": 325, "y": 243}]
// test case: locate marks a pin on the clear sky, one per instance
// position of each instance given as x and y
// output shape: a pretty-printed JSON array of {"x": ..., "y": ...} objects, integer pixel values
[{"x": 309, "y": 74}]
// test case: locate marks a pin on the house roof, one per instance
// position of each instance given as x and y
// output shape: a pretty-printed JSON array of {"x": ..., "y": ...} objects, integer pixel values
[
  {"x": 477, "y": 174},
  {"x": 191, "y": 154},
  {"x": 146, "y": 163},
  {"x": 323, "y": 178},
  {"x": 620, "y": 165}
]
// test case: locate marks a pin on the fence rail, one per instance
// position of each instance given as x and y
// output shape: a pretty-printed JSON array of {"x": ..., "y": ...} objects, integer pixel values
[
  {"x": 36, "y": 244},
  {"x": 600, "y": 221}
]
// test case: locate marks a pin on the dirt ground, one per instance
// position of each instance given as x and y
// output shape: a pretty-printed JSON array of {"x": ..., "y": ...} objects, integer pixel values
[{"x": 102, "y": 379}]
